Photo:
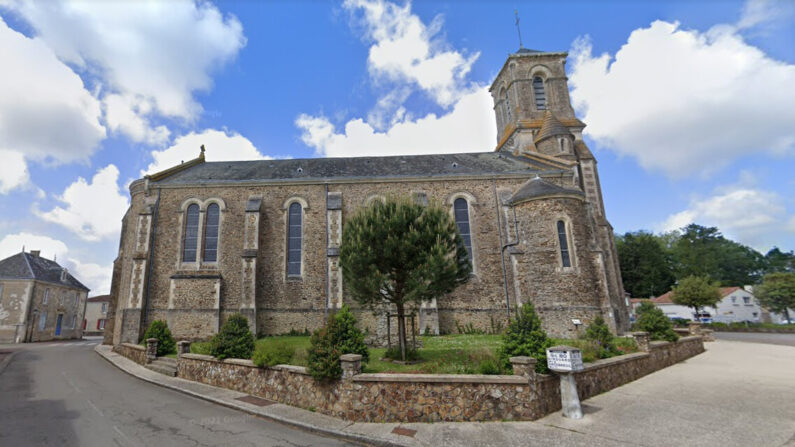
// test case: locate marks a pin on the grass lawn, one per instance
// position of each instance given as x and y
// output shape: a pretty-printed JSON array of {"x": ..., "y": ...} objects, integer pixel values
[{"x": 447, "y": 354}]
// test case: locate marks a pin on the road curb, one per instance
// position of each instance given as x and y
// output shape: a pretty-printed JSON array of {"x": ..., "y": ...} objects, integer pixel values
[
  {"x": 6, "y": 361},
  {"x": 355, "y": 437}
]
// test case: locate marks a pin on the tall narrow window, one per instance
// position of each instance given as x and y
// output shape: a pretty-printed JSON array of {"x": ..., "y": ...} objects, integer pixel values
[
  {"x": 565, "y": 258},
  {"x": 540, "y": 95},
  {"x": 461, "y": 209},
  {"x": 191, "y": 234},
  {"x": 507, "y": 107},
  {"x": 294, "y": 240},
  {"x": 211, "y": 233},
  {"x": 46, "y": 298},
  {"x": 42, "y": 321}
]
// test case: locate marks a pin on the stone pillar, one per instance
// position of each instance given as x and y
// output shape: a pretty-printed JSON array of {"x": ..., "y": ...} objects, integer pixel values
[
  {"x": 524, "y": 366},
  {"x": 694, "y": 327},
  {"x": 334, "y": 272},
  {"x": 566, "y": 360},
  {"x": 351, "y": 365},
  {"x": 151, "y": 350},
  {"x": 707, "y": 334},
  {"x": 641, "y": 340},
  {"x": 251, "y": 231},
  {"x": 183, "y": 347},
  {"x": 132, "y": 312},
  {"x": 569, "y": 399}
]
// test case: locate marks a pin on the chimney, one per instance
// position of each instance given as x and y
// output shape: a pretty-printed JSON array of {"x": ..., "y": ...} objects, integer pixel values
[{"x": 35, "y": 253}]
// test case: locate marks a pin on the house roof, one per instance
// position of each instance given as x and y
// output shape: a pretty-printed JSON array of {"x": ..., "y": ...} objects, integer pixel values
[
  {"x": 478, "y": 163},
  {"x": 99, "y": 299},
  {"x": 667, "y": 298},
  {"x": 28, "y": 266},
  {"x": 537, "y": 187}
]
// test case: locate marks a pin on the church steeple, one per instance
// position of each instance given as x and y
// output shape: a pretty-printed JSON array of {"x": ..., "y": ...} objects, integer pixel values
[{"x": 530, "y": 84}]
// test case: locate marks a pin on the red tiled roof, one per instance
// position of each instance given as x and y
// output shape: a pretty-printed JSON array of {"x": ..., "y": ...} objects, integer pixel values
[
  {"x": 99, "y": 299},
  {"x": 666, "y": 297}
]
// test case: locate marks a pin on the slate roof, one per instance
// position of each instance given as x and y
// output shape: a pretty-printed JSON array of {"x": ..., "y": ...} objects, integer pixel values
[
  {"x": 99, "y": 299},
  {"x": 27, "y": 266},
  {"x": 493, "y": 163},
  {"x": 551, "y": 127},
  {"x": 538, "y": 187}
]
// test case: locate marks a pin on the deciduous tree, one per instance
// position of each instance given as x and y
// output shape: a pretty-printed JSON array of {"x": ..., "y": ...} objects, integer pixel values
[
  {"x": 696, "y": 292},
  {"x": 777, "y": 292}
]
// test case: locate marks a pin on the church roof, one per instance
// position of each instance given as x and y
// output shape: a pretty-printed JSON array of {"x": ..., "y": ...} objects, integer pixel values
[
  {"x": 551, "y": 127},
  {"x": 537, "y": 187},
  {"x": 28, "y": 266},
  {"x": 402, "y": 166}
]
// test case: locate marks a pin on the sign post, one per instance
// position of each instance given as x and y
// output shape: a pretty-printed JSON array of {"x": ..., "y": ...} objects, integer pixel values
[{"x": 565, "y": 360}]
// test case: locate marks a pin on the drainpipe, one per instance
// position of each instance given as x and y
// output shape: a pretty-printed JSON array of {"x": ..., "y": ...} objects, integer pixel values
[
  {"x": 327, "y": 282},
  {"x": 502, "y": 252},
  {"x": 151, "y": 258}
]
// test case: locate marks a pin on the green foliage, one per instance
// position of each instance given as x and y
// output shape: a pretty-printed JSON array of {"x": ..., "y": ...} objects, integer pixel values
[
  {"x": 652, "y": 320},
  {"x": 525, "y": 337},
  {"x": 468, "y": 329},
  {"x": 394, "y": 354},
  {"x": 234, "y": 340},
  {"x": 777, "y": 292},
  {"x": 270, "y": 354},
  {"x": 339, "y": 336},
  {"x": 779, "y": 261},
  {"x": 489, "y": 366},
  {"x": 496, "y": 325},
  {"x": 647, "y": 267},
  {"x": 696, "y": 292},
  {"x": 403, "y": 253},
  {"x": 599, "y": 335},
  {"x": 165, "y": 341}
]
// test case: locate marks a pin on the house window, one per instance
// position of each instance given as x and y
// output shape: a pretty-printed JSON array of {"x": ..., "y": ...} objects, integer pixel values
[
  {"x": 104, "y": 308},
  {"x": 734, "y": 299},
  {"x": 565, "y": 258},
  {"x": 294, "y": 231},
  {"x": 101, "y": 324},
  {"x": 746, "y": 300},
  {"x": 42, "y": 321},
  {"x": 74, "y": 322},
  {"x": 461, "y": 210},
  {"x": 1, "y": 291},
  {"x": 61, "y": 299},
  {"x": 540, "y": 95},
  {"x": 46, "y": 298},
  {"x": 211, "y": 233},
  {"x": 191, "y": 234},
  {"x": 77, "y": 299}
]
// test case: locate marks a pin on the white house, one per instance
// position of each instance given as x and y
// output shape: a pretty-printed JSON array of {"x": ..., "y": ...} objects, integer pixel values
[{"x": 736, "y": 304}]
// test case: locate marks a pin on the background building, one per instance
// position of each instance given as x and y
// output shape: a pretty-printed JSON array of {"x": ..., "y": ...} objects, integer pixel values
[
  {"x": 39, "y": 300},
  {"x": 96, "y": 315}
]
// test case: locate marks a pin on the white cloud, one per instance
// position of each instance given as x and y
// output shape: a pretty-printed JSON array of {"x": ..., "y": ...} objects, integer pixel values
[
  {"x": 127, "y": 114},
  {"x": 469, "y": 127},
  {"x": 46, "y": 114},
  {"x": 406, "y": 51},
  {"x": 685, "y": 102},
  {"x": 765, "y": 12},
  {"x": 49, "y": 247},
  {"x": 94, "y": 276},
  {"x": 93, "y": 210},
  {"x": 752, "y": 216},
  {"x": 221, "y": 145}
]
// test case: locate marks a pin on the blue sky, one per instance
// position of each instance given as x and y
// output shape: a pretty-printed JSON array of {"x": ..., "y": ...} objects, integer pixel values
[{"x": 690, "y": 106}]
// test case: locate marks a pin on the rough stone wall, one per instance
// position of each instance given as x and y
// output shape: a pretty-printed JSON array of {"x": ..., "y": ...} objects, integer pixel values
[
  {"x": 428, "y": 397},
  {"x": 60, "y": 301},
  {"x": 14, "y": 303},
  {"x": 136, "y": 353}
]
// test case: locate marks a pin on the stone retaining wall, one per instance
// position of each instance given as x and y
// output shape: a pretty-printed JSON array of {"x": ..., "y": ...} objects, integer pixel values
[
  {"x": 136, "y": 353},
  {"x": 429, "y": 397}
]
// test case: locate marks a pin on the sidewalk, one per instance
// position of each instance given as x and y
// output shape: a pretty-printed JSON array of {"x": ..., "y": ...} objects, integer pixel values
[{"x": 380, "y": 434}]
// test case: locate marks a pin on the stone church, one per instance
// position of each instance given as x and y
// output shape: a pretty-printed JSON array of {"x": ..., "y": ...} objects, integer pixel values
[{"x": 203, "y": 240}]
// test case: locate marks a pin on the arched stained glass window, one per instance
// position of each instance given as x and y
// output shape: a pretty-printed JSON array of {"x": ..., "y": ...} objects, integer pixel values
[
  {"x": 539, "y": 93},
  {"x": 294, "y": 233},
  {"x": 191, "y": 239},
  {"x": 461, "y": 210},
  {"x": 565, "y": 257},
  {"x": 211, "y": 233}
]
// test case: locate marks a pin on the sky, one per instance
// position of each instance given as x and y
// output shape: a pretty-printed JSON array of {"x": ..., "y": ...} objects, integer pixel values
[{"x": 689, "y": 106}]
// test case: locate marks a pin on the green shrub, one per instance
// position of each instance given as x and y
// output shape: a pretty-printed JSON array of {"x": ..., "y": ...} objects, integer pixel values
[
  {"x": 652, "y": 320},
  {"x": 525, "y": 337},
  {"x": 489, "y": 366},
  {"x": 339, "y": 336},
  {"x": 468, "y": 329},
  {"x": 165, "y": 341},
  {"x": 270, "y": 354},
  {"x": 598, "y": 334},
  {"x": 234, "y": 340}
]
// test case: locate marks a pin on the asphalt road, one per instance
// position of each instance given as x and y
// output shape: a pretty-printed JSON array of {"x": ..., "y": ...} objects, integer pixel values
[{"x": 64, "y": 394}]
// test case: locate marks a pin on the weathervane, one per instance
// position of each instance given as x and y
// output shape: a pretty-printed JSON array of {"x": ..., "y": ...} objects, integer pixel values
[{"x": 516, "y": 12}]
